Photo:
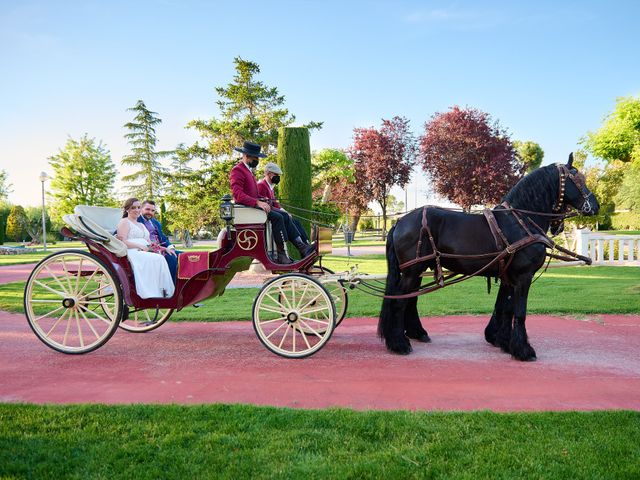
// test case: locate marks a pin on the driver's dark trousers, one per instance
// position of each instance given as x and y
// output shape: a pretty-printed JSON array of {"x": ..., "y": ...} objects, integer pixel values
[{"x": 283, "y": 228}]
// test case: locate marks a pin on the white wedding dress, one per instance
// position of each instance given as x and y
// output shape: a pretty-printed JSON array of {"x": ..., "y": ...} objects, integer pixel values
[{"x": 150, "y": 270}]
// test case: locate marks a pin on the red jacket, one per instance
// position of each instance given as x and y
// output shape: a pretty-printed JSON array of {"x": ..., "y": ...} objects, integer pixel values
[
  {"x": 264, "y": 191},
  {"x": 244, "y": 187}
]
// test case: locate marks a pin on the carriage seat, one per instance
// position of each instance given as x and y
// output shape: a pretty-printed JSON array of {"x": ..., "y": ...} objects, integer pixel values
[
  {"x": 98, "y": 223},
  {"x": 243, "y": 215}
]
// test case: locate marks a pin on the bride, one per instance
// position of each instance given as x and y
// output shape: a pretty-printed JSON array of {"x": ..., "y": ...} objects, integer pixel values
[{"x": 150, "y": 270}]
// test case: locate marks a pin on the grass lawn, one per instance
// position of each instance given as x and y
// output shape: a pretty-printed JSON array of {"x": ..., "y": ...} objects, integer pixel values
[
  {"x": 573, "y": 291},
  {"x": 238, "y": 441}
]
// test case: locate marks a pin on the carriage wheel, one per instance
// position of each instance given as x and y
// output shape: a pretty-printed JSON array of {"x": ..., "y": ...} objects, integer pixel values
[
  {"x": 294, "y": 315},
  {"x": 337, "y": 291},
  {"x": 145, "y": 320},
  {"x": 63, "y": 301},
  {"x": 137, "y": 321}
]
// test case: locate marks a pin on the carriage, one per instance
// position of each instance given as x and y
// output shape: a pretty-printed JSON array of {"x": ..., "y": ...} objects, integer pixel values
[{"x": 75, "y": 300}]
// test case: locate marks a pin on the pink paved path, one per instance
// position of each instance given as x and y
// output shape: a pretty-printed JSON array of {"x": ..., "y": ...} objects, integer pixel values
[{"x": 582, "y": 365}]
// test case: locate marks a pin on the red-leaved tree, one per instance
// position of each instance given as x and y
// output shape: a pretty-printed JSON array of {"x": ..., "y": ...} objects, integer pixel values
[
  {"x": 470, "y": 159},
  {"x": 383, "y": 159}
]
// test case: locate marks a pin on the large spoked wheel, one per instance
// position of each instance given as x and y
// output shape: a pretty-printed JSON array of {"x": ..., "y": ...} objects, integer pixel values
[
  {"x": 337, "y": 291},
  {"x": 63, "y": 302},
  {"x": 136, "y": 321},
  {"x": 294, "y": 315}
]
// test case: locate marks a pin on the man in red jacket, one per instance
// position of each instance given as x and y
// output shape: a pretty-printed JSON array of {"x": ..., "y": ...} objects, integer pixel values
[
  {"x": 266, "y": 187},
  {"x": 244, "y": 189}
]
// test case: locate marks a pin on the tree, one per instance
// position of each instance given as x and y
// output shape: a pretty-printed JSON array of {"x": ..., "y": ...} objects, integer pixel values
[
  {"x": 33, "y": 224},
  {"x": 17, "y": 224},
  {"x": 177, "y": 179},
  {"x": 249, "y": 110},
  {"x": 470, "y": 159},
  {"x": 329, "y": 167},
  {"x": 530, "y": 154},
  {"x": 383, "y": 159},
  {"x": 619, "y": 136},
  {"x": 5, "y": 186},
  {"x": 628, "y": 195},
  {"x": 294, "y": 157},
  {"x": 83, "y": 175},
  {"x": 142, "y": 138}
]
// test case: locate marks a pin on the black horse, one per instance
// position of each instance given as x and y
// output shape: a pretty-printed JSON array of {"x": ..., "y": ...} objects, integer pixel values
[{"x": 463, "y": 243}]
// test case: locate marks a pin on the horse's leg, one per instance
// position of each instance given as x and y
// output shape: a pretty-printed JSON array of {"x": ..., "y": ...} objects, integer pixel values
[
  {"x": 519, "y": 345},
  {"x": 498, "y": 330},
  {"x": 413, "y": 326}
]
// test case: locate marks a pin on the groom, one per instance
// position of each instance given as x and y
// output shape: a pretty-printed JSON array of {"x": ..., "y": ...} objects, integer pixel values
[{"x": 157, "y": 237}]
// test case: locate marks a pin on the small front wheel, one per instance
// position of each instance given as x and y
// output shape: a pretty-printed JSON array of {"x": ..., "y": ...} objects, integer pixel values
[{"x": 294, "y": 315}]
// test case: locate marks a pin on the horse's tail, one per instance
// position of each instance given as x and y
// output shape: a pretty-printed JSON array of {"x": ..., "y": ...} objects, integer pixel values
[{"x": 393, "y": 280}]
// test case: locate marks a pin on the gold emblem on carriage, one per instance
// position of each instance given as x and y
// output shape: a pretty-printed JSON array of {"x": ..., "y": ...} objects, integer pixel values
[
  {"x": 193, "y": 258},
  {"x": 247, "y": 239}
]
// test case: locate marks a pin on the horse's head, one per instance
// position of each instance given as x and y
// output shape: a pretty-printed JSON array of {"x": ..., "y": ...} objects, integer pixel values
[{"x": 573, "y": 192}]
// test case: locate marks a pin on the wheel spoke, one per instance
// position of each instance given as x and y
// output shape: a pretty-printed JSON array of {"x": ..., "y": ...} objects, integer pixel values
[
  {"x": 79, "y": 329},
  {"x": 49, "y": 313},
  {"x": 55, "y": 277},
  {"x": 264, "y": 322},
  {"x": 277, "y": 302},
  {"x": 276, "y": 329},
  {"x": 304, "y": 337},
  {"x": 286, "y": 330},
  {"x": 90, "y": 325},
  {"x": 79, "y": 274},
  {"x": 45, "y": 301},
  {"x": 272, "y": 310},
  {"x": 88, "y": 282},
  {"x": 306, "y": 325},
  {"x": 66, "y": 332},
  {"x": 108, "y": 322},
  {"x": 311, "y": 301},
  {"x": 306, "y": 287},
  {"x": 47, "y": 287},
  {"x": 284, "y": 296},
  {"x": 55, "y": 324},
  {"x": 321, "y": 321},
  {"x": 68, "y": 275},
  {"x": 314, "y": 310}
]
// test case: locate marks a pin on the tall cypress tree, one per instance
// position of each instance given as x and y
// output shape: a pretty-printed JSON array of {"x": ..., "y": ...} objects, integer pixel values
[
  {"x": 147, "y": 181},
  {"x": 294, "y": 158}
]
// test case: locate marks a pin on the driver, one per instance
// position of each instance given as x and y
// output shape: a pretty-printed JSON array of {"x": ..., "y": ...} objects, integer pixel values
[{"x": 244, "y": 189}]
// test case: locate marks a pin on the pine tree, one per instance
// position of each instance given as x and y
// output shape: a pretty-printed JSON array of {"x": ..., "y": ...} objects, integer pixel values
[{"x": 147, "y": 181}]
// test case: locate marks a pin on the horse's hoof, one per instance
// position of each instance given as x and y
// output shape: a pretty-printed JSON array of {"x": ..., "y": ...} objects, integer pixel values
[
  {"x": 525, "y": 354},
  {"x": 424, "y": 339},
  {"x": 401, "y": 349}
]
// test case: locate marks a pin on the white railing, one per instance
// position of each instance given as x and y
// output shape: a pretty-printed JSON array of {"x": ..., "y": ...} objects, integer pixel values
[{"x": 608, "y": 249}]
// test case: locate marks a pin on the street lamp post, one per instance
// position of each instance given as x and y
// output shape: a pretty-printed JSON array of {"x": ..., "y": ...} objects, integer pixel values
[{"x": 44, "y": 178}]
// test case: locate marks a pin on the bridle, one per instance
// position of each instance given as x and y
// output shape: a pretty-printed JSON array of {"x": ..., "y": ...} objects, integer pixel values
[{"x": 560, "y": 207}]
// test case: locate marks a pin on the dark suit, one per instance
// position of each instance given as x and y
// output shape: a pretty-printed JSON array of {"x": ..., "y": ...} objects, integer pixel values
[
  {"x": 172, "y": 261},
  {"x": 293, "y": 226}
]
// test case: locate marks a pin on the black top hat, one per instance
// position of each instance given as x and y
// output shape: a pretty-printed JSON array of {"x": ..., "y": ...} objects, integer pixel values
[{"x": 251, "y": 149}]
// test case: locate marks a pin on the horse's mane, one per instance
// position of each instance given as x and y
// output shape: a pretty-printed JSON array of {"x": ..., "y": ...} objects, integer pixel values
[{"x": 536, "y": 191}]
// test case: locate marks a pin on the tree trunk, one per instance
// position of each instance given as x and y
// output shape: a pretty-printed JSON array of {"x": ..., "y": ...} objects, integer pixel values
[
  {"x": 326, "y": 195},
  {"x": 186, "y": 239},
  {"x": 354, "y": 222}
]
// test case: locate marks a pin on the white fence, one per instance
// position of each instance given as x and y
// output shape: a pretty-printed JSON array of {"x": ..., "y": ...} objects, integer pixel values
[{"x": 608, "y": 249}]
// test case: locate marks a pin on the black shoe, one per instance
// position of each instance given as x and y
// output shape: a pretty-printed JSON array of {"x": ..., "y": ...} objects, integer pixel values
[{"x": 283, "y": 259}]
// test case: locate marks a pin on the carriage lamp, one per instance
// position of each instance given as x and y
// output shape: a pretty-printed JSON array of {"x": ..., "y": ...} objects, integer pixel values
[
  {"x": 226, "y": 209},
  {"x": 226, "y": 213}
]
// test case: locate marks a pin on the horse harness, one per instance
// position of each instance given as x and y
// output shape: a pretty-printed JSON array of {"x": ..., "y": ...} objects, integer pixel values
[{"x": 505, "y": 250}]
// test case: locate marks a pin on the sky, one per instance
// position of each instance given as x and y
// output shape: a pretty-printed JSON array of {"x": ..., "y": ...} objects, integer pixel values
[{"x": 548, "y": 71}]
